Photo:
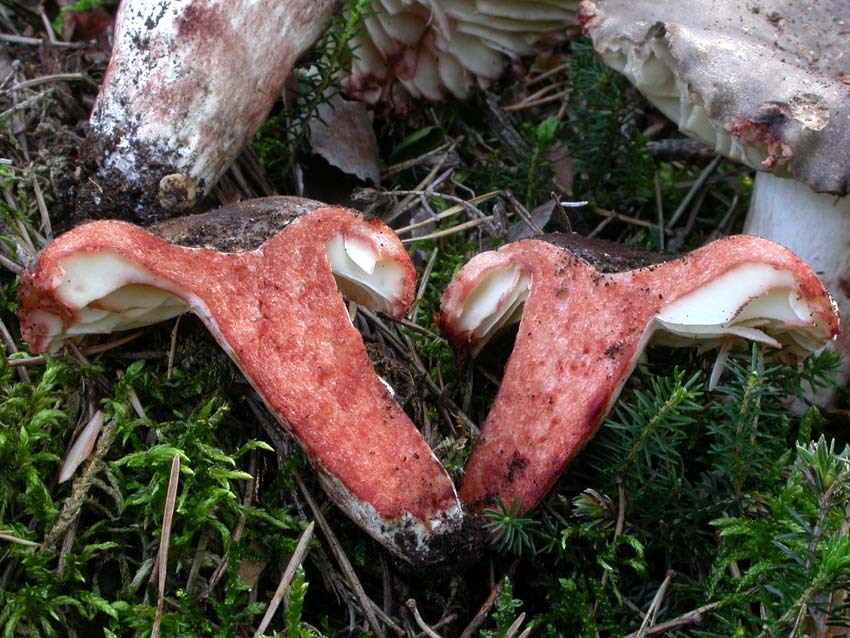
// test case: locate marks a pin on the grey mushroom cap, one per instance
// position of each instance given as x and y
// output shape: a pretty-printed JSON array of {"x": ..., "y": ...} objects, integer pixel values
[{"x": 766, "y": 83}]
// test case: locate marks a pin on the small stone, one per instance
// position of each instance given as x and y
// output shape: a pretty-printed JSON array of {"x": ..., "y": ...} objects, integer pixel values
[{"x": 177, "y": 193}]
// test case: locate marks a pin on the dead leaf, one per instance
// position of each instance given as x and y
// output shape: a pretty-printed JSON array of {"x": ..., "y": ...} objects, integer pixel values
[
  {"x": 82, "y": 447},
  {"x": 342, "y": 135},
  {"x": 563, "y": 166}
]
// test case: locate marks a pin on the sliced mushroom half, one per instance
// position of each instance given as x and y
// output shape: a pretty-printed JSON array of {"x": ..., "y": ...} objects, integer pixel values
[
  {"x": 278, "y": 312},
  {"x": 582, "y": 328}
]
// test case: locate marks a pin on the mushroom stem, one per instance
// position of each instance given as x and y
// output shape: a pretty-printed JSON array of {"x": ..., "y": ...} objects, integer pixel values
[
  {"x": 582, "y": 329},
  {"x": 188, "y": 85},
  {"x": 278, "y": 312},
  {"x": 816, "y": 227}
]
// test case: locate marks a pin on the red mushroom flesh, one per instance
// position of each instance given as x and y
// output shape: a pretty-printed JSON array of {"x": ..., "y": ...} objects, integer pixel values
[
  {"x": 278, "y": 313},
  {"x": 582, "y": 330}
]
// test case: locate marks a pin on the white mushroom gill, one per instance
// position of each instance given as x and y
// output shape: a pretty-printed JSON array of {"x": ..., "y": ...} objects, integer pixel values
[
  {"x": 111, "y": 293},
  {"x": 361, "y": 276},
  {"x": 495, "y": 303},
  {"x": 108, "y": 293},
  {"x": 754, "y": 301},
  {"x": 651, "y": 68}
]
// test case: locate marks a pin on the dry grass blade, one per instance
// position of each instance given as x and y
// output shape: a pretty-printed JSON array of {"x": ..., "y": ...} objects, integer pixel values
[
  {"x": 649, "y": 619},
  {"x": 514, "y": 628},
  {"x": 342, "y": 560},
  {"x": 164, "y": 540},
  {"x": 6, "y": 535},
  {"x": 82, "y": 447},
  {"x": 286, "y": 579},
  {"x": 80, "y": 489}
]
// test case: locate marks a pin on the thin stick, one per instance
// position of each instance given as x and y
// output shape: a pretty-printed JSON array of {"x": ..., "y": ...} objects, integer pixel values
[
  {"x": 173, "y": 348},
  {"x": 11, "y": 265},
  {"x": 286, "y": 579},
  {"x": 11, "y": 538},
  {"x": 115, "y": 343},
  {"x": 11, "y": 348},
  {"x": 523, "y": 212},
  {"x": 534, "y": 96},
  {"x": 20, "y": 39},
  {"x": 439, "y": 624},
  {"x": 164, "y": 539},
  {"x": 402, "y": 166},
  {"x": 42, "y": 209},
  {"x": 693, "y": 617},
  {"x": 654, "y": 605},
  {"x": 411, "y": 605},
  {"x": 454, "y": 210},
  {"x": 530, "y": 105},
  {"x": 415, "y": 327},
  {"x": 625, "y": 218},
  {"x": 659, "y": 205},
  {"x": 47, "y": 79},
  {"x": 404, "y": 204},
  {"x": 342, "y": 560},
  {"x": 482, "y": 613},
  {"x": 548, "y": 74},
  {"x": 423, "y": 282}
]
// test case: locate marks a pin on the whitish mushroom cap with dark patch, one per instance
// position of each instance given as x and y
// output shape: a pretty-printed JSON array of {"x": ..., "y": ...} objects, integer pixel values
[
  {"x": 435, "y": 48},
  {"x": 766, "y": 83}
]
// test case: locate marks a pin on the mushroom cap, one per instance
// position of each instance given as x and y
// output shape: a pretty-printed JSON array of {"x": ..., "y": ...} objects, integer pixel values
[
  {"x": 766, "y": 83},
  {"x": 433, "y": 48}
]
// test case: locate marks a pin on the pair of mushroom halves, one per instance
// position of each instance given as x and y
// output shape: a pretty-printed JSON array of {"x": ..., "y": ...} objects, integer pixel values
[{"x": 267, "y": 278}]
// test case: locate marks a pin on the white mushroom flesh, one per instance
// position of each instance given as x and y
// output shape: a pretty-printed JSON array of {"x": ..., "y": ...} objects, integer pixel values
[
  {"x": 110, "y": 293},
  {"x": 755, "y": 302}
]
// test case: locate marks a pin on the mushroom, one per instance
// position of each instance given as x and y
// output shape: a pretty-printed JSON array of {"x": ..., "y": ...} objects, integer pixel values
[
  {"x": 765, "y": 84},
  {"x": 188, "y": 84},
  {"x": 586, "y": 312},
  {"x": 278, "y": 312},
  {"x": 433, "y": 48}
]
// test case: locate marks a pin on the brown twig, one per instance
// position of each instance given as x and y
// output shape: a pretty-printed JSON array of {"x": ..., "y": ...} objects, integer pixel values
[
  {"x": 482, "y": 613},
  {"x": 428, "y": 631},
  {"x": 342, "y": 560},
  {"x": 649, "y": 618}
]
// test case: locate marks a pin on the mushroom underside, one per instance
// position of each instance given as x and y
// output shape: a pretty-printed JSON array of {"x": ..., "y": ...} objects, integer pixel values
[
  {"x": 111, "y": 293},
  {"x": 753, "y": 301}
]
